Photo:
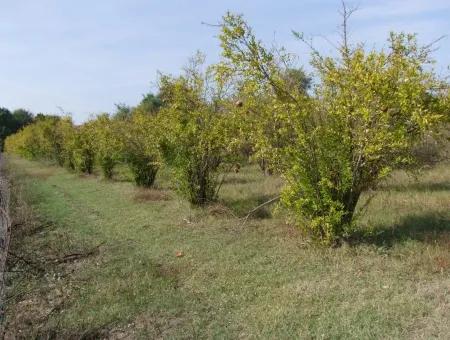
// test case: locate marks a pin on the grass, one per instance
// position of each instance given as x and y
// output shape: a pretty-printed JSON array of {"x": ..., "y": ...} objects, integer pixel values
[{"x": 156, "y": 268}]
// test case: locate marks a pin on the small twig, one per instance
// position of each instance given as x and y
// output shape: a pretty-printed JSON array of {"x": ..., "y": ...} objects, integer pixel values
[
  {"x": 54, "y": 309},
  {"x": 346, "y": 13},
  {"x": 76, "y": 256},
  {"x": 435, "y": 41},
  {"x": 211, "y": 25},
  {"x": 363, "y": 208},
  {"x": 259, "y": 207},
  {"x": 223, "y": 180}
]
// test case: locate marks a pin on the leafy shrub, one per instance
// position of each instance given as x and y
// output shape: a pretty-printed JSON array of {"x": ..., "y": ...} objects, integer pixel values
[
  {"x": 66, "y": 134},
  {"x": 363, "y": 118},
  {"x": 84, "y": 148},
  {"x": 107, "y": 144},
  {"x": 197, "y": 142},
  {"x": 139, "y": 138},
  {"x": 47, "y": 138}
]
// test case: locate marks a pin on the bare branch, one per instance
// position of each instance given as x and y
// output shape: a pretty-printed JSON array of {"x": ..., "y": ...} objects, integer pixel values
[
  {"x": 211, "y": 25},
  {"x": 259, "y": 207},
  {"x": 429, "y": 46},
  {"x": 346, "y": 13}
]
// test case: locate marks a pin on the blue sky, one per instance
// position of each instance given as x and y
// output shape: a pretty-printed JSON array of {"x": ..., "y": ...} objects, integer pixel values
[{"x": 84, "y": 56}]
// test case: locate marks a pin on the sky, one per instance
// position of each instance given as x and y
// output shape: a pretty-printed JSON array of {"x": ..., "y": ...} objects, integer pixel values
[{"x": 82, "y": 57}]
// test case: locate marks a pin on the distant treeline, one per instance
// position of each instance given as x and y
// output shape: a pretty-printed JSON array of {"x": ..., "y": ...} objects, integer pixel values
[{"x": 11, "y": 122}]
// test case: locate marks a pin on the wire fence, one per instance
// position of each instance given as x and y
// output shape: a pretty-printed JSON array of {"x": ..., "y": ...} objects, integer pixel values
[{"x": 5, "y": 232}]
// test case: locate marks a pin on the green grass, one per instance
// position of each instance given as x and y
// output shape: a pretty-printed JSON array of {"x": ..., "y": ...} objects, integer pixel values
[{"x": 262, "y": 279}]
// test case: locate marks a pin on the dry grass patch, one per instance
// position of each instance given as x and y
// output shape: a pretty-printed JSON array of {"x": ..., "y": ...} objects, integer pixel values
[
  {"x": 218, "y": 209},
  {"x": 42, "y": 173},
  {"x": 151, "y": 195}
]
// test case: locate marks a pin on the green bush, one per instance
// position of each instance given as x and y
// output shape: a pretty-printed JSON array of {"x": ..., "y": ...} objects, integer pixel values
[
  {"x": 139, "y": 140},
  {"x": 47, "y": 138},
  {"x": 83, "y": 148},
  {"x": 107, "y": 144},
  {"x": 144, "y": 169},
  {"x": 198, "y": 126},
  {"x": 367, "y": 111}
]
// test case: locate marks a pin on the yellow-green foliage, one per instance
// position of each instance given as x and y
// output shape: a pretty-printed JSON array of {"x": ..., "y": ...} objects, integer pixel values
[
  {"x": 20, "y": 143},
  {"x": 47, "y": 138},
  {"x": 83, "y": 149},
  {"x": 65, "y": 132},
  {"x": 56, "y": 139},
  {"x": 365, "y": 114},
  {"x": 107, "y": 143},
  {"x": 196, "y": 117},
  {"x": 139, "y": 139}
]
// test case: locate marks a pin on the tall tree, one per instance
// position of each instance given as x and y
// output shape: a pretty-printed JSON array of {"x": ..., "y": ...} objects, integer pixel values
[
  {"x": 123, "y": 112},
  {"x": 22, "y": 118},
  {"x": 7, "y": 125},
  {"x": 149, "y": 104},
  {"x": 10, "y": 123}
]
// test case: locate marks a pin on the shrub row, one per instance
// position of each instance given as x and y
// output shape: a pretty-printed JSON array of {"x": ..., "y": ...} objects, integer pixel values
[{"x": 363, "y": 117}]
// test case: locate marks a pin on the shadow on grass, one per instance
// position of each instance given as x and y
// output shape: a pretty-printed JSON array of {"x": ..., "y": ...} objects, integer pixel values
[
  {"x": 420, "y": 187},
  {"x": 122, "y": 178},
  {"x": 238, "y": 180},
  {"x": 242, "y": 205},
  {"x": 151, "y": 194},
  {"x": 427, "y": 228}
]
